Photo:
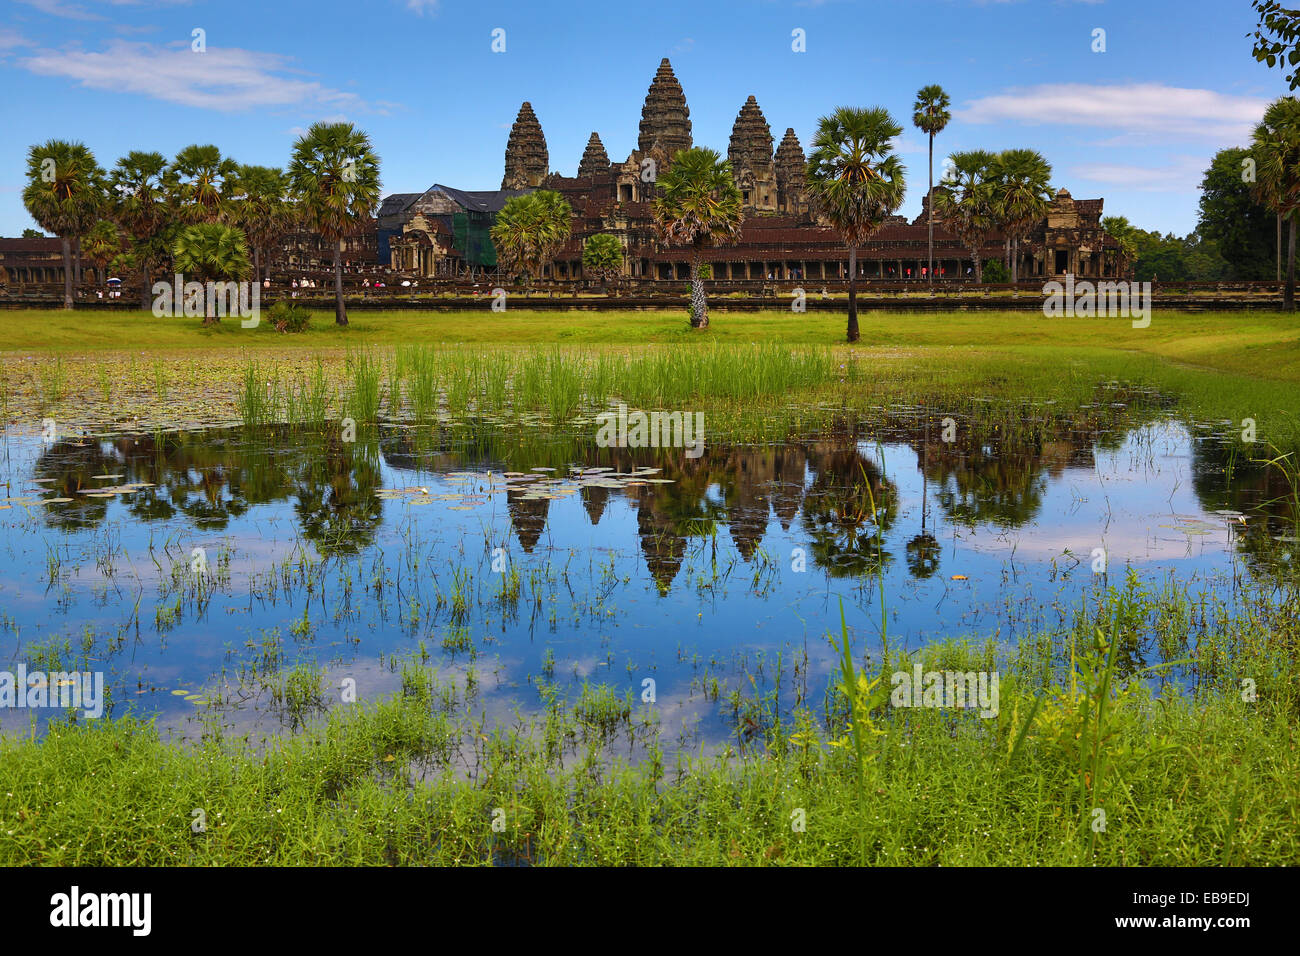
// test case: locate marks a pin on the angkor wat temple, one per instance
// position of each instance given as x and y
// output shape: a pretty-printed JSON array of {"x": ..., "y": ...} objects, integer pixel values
[{"x": 443, "y": 231}]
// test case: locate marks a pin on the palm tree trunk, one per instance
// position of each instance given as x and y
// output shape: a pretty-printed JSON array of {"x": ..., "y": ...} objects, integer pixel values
[
  {"x": 699, "y": 305},
  {"x": 146, "y": 287},
  {"x": 853, "y": 333},
  {"x": 1288, "y": 300},
  {"x": 930, "y": 209},
  {"x": 67, "y": 272},
  {"x": 340, "y": 310},
  {"x": 1015, "y": 261},
  {"x": 257, "y": 262},
  {"x": 1279, "y": 247},
  {"x": 79, "y": 272},
  {"x": 979, "y": 264}
]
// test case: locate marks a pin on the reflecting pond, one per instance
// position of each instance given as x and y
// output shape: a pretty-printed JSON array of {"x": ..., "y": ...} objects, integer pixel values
[{"x": 192, "y": 566}]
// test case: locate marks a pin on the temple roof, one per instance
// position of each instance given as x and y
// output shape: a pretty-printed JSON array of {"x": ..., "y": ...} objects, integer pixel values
[
  {"x": 397, "y": 202},
  {"x": 479, "y": 200}
]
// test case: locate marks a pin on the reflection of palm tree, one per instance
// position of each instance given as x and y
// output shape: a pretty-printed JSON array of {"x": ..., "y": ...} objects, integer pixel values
[
  {"x": 1225, "y": 481},
  {"x": 923, "y": 556},
  {"x": 71, "y": 464},
  {"x": 998, "y": 483},
  {"x": 847, "y": 511},
  {"x": 336, "y": 505}
]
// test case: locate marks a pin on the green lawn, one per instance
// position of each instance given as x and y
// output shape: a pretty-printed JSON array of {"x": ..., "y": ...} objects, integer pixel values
[
  {"x": 1263, "y": 345},
  {"x": 1266, "y": 343},
  {"x": 1222, "y": 366}
]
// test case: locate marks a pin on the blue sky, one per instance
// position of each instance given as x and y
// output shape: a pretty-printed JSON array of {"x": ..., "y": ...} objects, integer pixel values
[{"x": 1136, "y": 124}]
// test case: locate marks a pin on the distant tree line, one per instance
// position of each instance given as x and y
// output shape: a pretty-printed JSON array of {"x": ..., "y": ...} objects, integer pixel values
[{"x": 200, "y": 213}]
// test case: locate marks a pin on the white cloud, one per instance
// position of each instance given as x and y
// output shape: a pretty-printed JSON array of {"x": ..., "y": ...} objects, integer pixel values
[
  {"x": 1182, "y": 176},
  {"x": 1150, "y": 109},
  {"x": 10, "y": 40},
  {"x": 914, "y": 145},
  {"x": 78, "y": 11},
  {"x": 67, "y": 11},
  {"x": 225, "y": 79},
  {"x": 420, "y": 6}
]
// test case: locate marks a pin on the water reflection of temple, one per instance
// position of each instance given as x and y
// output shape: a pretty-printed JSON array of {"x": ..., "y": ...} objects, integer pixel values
[{"x": 825, "y": 490}]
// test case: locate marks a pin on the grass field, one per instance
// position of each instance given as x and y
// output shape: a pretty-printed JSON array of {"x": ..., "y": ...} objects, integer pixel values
[{"x": 1222, "y": 366}]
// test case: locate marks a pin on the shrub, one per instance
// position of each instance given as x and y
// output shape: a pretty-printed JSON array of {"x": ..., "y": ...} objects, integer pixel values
[
  {"x": 995, "y": 271},
  {"x": 287, "y": 317}
]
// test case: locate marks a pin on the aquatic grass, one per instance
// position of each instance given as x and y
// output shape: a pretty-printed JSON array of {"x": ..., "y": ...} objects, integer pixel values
[
  {"x": 160, "y": 380},
  {"x": 564, "y": 385},
  {"x": 493, "y": 370},
  {"x": 421, "y": 366},
  {"x": 530, "y": 387},
  {"x": 251, "y": 401},
  {"x": 602, "y": 709},
  {"x": 53, "y": 377},
  {"x": 313, "y": 397},
  {"x": 363, "y": 374},
  {"x": 457, "y": 374},
  {"x": 300, "y": 693},
  {"x": 394, "y": 391},
  {"x": 105, "y": 381}
]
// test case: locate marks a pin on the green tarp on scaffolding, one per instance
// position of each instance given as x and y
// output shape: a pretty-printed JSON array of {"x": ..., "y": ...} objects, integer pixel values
[{"x": 471, "y": 237}]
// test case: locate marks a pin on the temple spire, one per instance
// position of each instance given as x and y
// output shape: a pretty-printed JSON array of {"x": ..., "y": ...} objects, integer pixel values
[
  {"x": 665, "y": 117},
  {"x": 594, "y": 158},
  {"x": 527, "y": 163}
]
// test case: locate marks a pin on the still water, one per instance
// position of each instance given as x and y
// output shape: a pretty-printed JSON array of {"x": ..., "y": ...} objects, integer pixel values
[{"x": 188, "y": 566}]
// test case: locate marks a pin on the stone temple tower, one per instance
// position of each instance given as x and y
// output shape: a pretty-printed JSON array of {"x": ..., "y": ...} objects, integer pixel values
[
  {"x": 594, "y": 158},
  {"x": 791, "y": 176},
  {"x": 750, "y": 153},
  {"x": 665, "y": 117},
  {"x": 527, "y": 163}
]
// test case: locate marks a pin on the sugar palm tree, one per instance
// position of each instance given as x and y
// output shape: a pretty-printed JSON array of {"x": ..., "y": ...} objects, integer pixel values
[
  {"x": 965, "y": 204},
  {"x": 930, "y": 115},
  {"x": 1122, "y": 230},
  {"x": 203, "y": 181},
  {"x": 1275, "y": 147},
  {"x": 139, "y": 202},
  {"x": 211, "y": 252},
  {"x": 65, "y": 195},
  {"x": 855, "y": 181},
  {"x": 101, "y": 244},
  {"x": 334, "y": 177},
  {"x": 529, "y": 230},
  {"x": 698, "y": 204},
  {"x": 602, "y": 257},
  {"x": 1021, "y": 193},
  {"x": 261, "y": 208}
]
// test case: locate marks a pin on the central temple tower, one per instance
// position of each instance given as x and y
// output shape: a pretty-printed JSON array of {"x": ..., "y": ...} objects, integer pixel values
[{"x": 665, "y": 117}]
